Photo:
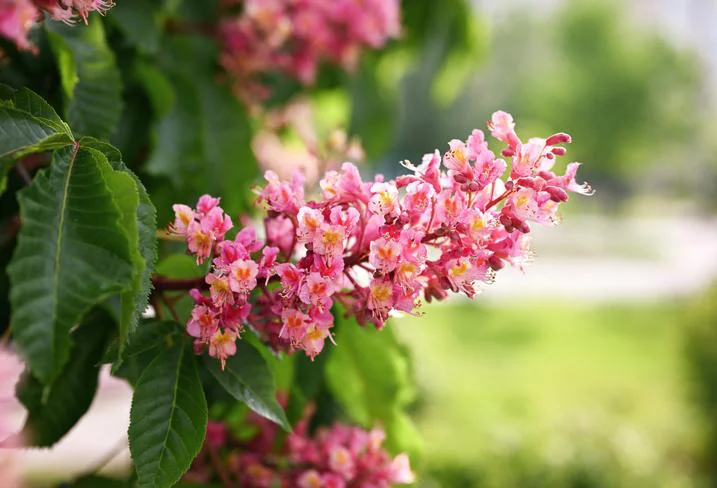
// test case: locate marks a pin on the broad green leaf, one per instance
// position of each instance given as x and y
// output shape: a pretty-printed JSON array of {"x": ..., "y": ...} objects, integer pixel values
[
  {"x": 140, "y": 224},
  {"x": 145, "y": 344},
  {"x": 247, "y": 378},
  {"x": 71, "y": 394},
  {"x": 168, "y": 419},
  {"x": 368, "y": 373},
  {"x": 72, "y": 253},
  {"x": 28, "y": 101},
  {"x": 21, "y": 133},
  {"x": 91, "y": 80}
]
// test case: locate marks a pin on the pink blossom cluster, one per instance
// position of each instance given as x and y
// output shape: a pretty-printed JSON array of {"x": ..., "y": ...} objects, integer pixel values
[
  {"x": 295, "y": 36},
  {"x": 339, "y": 456},
  {"x": 372, "y": 247},
  {"x": 17, "y": 17}
]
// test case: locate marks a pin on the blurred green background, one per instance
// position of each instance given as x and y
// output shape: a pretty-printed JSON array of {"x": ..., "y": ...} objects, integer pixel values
[{"x": 598, "y": 367}]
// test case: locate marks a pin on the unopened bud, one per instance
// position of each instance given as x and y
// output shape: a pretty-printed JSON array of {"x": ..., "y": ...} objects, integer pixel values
[
  {"x": 559, "y": 138},
  {"x": 559, "y": 151},
  {"x": 526, "y": 183},
  {"x": 521, "y": 226},
  {"x": 509, "y": 185},
  {"x": 459, "y": 178},
  {"x": 557, "y": 194},
  {"x": 508, "y": 152},
  {"x": 505, "y": 220},
  {"x": 495, "y": 262}
]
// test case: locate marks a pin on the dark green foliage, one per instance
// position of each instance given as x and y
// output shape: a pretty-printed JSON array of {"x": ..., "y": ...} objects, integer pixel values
[{"x": 168, "y": 419}]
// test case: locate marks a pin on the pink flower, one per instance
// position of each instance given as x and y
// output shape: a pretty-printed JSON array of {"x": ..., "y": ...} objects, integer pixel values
[
  {"x": 348, "y": 218},
  {"x": 203, "y": 324},
  {"x": 400, "y": 471},
  {"x": 384, "y": 199},
  {"x": 380, "y": 299},
  {"x": 206, "y": 204},
  {"x": 317, "y": 291},
  {"x": 242, "y": 276},
  {"x": 280, "y": 233},
  {"x": 329, "y": 241},
  {"x": 183, "y": 216},
  {"x": 247, "y": 238},
  {"x": 310, "y": 221},
  {"x": 223, "y": 345},
  {"x": 463, "y": 274},
  {"x": 220, "y": 290},
  {"x": 310, "y": 479},
  {"x": 419, "y": 197},
  {"x": 199, "y": 241},
  {"x": 291, "y": 278},
  {"x": 268, "y": 262},
  {"x": 216, "y": 223},
  {"x": 313, "y": 340},
  {"x": 502, "y": 127},
  {"x": 341, "y": 461},
  {"x": 294, "y": 324},
  {"x": 385, "y": 254},
  {"x": 16, "y": 19}
]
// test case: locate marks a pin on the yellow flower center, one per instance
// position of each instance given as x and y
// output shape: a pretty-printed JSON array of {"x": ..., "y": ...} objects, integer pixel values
[
  {"x": 459, "y": 269},
  {"x": 381, "y": 292}
]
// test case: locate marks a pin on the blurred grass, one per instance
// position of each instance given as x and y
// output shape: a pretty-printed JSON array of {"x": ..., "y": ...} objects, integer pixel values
[{"x": 560, "y": 381}]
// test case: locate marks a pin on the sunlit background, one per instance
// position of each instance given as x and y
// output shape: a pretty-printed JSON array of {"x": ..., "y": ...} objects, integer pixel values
[{"x": 598, "y": 366}]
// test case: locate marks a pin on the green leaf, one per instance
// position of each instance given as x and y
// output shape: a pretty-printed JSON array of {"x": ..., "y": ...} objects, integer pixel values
[
  {"x": 147, "y": 342},
  {"x": 180, "y": 266},
  {"x": 21, "y": 134},
  {"x": 368, "y": 373},
  {"x": 139, "y": 220},
  {"x": 90, "y": 77},
  {"x": 71, "y": 394},
  {"x": 247, "y": 378},
  {"x": 202, "y": 144},
  {"x": 168, "y": 419},
  {"x": 71, "y": 254},
  {"x": 28, "y": 101},
  {"x": 27, "y": 124},
  {"x": 139, "y": 20}
]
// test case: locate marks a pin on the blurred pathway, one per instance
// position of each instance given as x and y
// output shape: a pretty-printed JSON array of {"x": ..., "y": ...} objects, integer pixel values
[{"x": 596, "y": 259}]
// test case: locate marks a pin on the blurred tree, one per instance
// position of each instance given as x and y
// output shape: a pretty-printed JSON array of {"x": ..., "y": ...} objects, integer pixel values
[{"x": 629, "y": 97}]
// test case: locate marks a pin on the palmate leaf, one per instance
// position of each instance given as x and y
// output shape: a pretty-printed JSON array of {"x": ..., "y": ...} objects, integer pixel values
[
  {"x": 90, "y": 77},
  {"x": 71, "y": 394},
  {"x": 140, "y": 224},
  {"x": 72, "y": 253},
  {"x": 168, "y": 419},
  {"x": 247, "y": 378}
]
